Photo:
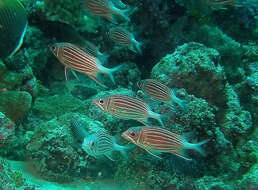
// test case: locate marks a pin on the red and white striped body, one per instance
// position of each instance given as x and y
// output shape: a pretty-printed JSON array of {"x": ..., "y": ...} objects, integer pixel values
[
  {"x": 123, "y": 37},
  {"x": 104, "y": 8},
  {"x": 156, "y": 90},
  {"x": 77, "y": 59},
  {"x": 157, "y": 140},
  {"x": 126, "y": 107},
  {"x": 221, "y": 4}
]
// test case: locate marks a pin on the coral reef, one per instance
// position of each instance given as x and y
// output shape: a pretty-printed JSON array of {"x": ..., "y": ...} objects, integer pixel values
[
  {"x": 208, "y": 55},
  {"x": 11, "y": 179},
  {"x": 196, "y": 68},
  {"x": 15, "y": 104}
]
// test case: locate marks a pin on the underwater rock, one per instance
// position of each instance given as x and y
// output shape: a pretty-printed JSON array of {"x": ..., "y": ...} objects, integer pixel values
[
  {"x": 12, "y": 179},
  {"x": 196, "y": 68},
  {"x": 56, "y": 154},
  {"x": 15, "y": 104},
  {"x": 128, "y": 76},
  {"x": 69, "y": 12},
  {"x": 236, "y": 122},
  {"x": 231, "y": 52},
  {"x": 10, "y": 79},
  {"x": 249, "y": 180},
  {"x": 7, "y": 129},
  {"x": 47, "y": 108},
  {"x": 212, "y": 183},
  {"x": 21, "y": 80},
  {"x": 51, "y": 151}
]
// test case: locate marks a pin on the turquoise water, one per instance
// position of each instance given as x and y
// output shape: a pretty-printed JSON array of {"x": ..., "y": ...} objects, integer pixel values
[{"x": 77, "y": 110}]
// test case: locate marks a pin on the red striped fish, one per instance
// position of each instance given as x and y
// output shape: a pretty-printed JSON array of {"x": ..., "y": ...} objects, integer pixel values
[
  {"x": 105, "y": 8},
  {"x": 77, "y": 59},
  {"x": 158, "y": 91},
  {"x": 123, "y": 37},
  {"x": 101, "y": 143},
  {"x": 127, "y": 107},
  {"x": 156, "y": 140},
  {"x": 221, "y": 4}
]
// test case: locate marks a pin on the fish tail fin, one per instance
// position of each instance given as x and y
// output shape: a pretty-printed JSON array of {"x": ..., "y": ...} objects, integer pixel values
[
  {"x": 196, "y": 147},
  {"x": 177, "y": 100},
  {"x": 103, "y": 57},
  {"x": 137, "y": 46},
  {"x": 123, "y": 149},
  {"x": 111, "y": 71},
  {"x": 124, "y": 13},
  {"x": 159, "y": 117}
]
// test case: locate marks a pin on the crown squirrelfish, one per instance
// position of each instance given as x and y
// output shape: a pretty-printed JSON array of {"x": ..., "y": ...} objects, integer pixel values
[
  {"x": 156, "y": 140},
  {"x": 158, "y": 91},
  {"x": 127, "y": 107},
  {"x": 106, "y": 9},
  {"x": 76, "y": 58},
  {"x": 101, "y": 143},
  {"x": 123, "y": 37},
  {"x": 221, "y": 4}
]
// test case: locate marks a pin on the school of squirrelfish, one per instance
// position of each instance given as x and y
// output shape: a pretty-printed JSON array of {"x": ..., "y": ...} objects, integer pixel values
[{"x": 87, "y": 60}]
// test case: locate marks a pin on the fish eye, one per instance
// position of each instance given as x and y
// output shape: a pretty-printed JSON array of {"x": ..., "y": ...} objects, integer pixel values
[
  {"x": 53, "y": 48},
  {"x": 101, "y": 101},
  {"x": 132, "y": 134}
]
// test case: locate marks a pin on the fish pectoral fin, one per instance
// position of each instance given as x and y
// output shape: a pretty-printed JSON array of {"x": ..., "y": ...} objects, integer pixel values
[
  {"x": 66, "y": 72},
  {"x": 94, "y": 77},
  {"x": 156, "y": 154},
  {"x": 75, "y": 75},
  {"x": 109, "y": 157}
]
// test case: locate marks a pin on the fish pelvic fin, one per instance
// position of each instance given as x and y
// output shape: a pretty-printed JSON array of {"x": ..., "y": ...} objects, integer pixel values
[{"x": 75, "y": 75}]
